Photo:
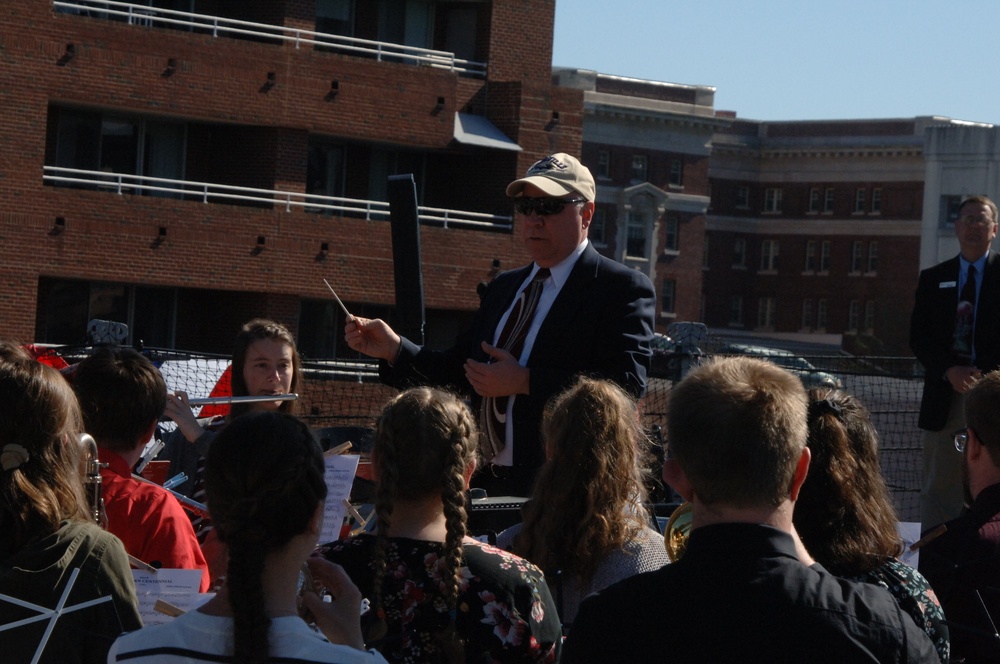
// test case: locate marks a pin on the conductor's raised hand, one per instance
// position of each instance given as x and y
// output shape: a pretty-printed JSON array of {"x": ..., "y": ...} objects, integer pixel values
[
  {"x": 373, "y": 337},
  {"x": 501, "y": 377},
  {"x": 339, "y": 619}
]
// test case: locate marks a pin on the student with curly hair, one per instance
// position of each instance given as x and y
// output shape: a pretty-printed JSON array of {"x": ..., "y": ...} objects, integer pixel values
[
  {"x": 51, "y": 551},
  {"x": 586, "y": 518},
  {"x": 845, "y": 516},
  {"x": 436, "y": 594},
  {"x": 266, "y": 490}
]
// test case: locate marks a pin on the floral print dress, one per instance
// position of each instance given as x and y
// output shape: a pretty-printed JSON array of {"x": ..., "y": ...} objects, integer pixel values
[
  {"x": 916, "y": 597},
  {"x": 504, "y": 611}
]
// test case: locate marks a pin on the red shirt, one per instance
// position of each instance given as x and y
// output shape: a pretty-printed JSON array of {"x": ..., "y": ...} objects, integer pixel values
[{"x": 148, "y": 520}]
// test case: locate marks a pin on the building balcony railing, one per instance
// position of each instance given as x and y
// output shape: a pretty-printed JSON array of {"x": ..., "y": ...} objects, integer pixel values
[
  {"x": 209, "y": 192},
  {"x": 145, "y": 15}
]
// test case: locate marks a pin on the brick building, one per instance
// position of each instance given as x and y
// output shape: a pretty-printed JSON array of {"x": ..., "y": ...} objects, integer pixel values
[
  {"x": 648, "y": 145},
  {"x": 185, "y": 165},
  {"x": 815, "y": 229}
]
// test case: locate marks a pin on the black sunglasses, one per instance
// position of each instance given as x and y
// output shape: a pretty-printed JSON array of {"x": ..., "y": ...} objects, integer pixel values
[{"x": 543, "y": 206}]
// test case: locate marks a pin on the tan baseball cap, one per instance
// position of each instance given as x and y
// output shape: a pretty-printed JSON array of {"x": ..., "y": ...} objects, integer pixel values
[{"x": 557, "y": 175}]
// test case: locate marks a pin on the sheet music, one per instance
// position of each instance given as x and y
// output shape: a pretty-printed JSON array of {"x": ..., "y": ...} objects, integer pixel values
[
  {"x": 340, "y": 471},
  {"x": 176, "y": 586}
]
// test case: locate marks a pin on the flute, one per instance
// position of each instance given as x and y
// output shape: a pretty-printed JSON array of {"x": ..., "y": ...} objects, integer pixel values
[{"x": 211, "y": 401}]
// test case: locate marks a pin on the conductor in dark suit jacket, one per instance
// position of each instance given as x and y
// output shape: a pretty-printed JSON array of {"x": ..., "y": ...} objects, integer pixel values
[
  {"x": 955, "y": 333},
  {"x": 591, "y": 315}
]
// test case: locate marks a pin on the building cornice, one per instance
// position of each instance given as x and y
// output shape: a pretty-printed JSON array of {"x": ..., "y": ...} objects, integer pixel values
[
  {"x": 813, "y": 226},
  {"x": 653, "y": 111}
]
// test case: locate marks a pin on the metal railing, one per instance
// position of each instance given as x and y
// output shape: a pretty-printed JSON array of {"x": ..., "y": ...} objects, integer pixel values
[
  {"x": 145, "y": 15},
  {"x": 210, "y": 192}
]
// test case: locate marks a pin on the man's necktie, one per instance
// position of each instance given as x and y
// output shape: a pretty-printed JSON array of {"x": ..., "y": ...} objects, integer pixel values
[
  {"x": 493, "y": 410},
  {"x": 965, "y": 317}
]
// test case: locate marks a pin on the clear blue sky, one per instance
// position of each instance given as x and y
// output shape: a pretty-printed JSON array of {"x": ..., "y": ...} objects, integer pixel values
[{"x": 799, "y": 59}]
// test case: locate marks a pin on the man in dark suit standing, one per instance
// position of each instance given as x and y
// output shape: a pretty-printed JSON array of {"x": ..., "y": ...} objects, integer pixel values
[
  {"x": 570, "y": 312},
  {"x": 955, "y": 333}
]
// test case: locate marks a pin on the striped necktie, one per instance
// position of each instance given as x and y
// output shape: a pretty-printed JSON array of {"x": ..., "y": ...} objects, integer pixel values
[{"x": 493, "y": 410}]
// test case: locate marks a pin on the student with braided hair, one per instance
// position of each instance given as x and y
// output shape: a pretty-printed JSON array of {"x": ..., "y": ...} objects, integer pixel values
[
  {"x": 266, "y": 489},
  {"x": 436, "y": 594}
]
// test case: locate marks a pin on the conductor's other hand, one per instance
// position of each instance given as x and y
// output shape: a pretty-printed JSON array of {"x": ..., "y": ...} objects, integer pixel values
[
  {"x": 373, "y": 337},
  {"x": 502, "y": 376}
]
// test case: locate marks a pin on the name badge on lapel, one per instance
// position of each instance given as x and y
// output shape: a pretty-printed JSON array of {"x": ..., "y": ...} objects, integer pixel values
[{"x": 948, "y": 284}]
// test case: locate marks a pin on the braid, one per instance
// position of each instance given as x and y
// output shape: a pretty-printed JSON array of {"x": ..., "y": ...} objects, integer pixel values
[
  {"x": 453, "y": 500},
  {"x": 383, "y": 514},
  {"x": 246, "y": 597}
]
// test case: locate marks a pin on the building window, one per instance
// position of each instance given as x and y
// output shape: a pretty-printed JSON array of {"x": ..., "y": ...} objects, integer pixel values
[
  {"x": 870, "y": 317},
  {"x": 90, "y": 140},
  {"x": 635, "y": 236},
  {"x": 873, "y": 257},
  {"x": 672, "y": 243},
  {"x": 859, "y": 200},
  {"x": 828, "y": 201},
  {"x": 335, "y": 17},
  {"x": 603, "y": 164},
  {"x": 876, "y": 200},
  {"x": 768, "y": 255},
  {"x": 857, "y": 250},
  {"x": 669, "y": 293},
  {"x": 810, "y": 265},
  {"x": 772, "y": 200},
  {"x": 814, "y": 200},
  {"x": 740, "y": 252},
  {"x": 821, "y": 314},
  {"x": 676, "y": 173},
  {"x": 853, "y": 312},
  {"x": 949, "y": 211},
  {"x": 736, "y": 310},
  {"x": 597, "y": 232},
  {"x": 807, "y": 313},
  {"x": 325, "y": 170},
  {"x": 765, "y": 313},
  {"x": 639, "y": 162},
  {"x": 824, "y": 256},
  {"x": 704, "y": 254},
  {"x": 65, "y": 306},
  {"x": 743, "y": 197}
]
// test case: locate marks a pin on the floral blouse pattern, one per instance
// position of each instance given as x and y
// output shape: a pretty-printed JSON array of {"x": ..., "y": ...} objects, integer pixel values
[
  {"x": 915, "y": 596},
  {"x": 504, "y": 611}
]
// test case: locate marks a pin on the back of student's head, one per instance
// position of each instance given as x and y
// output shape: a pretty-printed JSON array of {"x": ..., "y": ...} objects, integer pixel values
[
  {"x": 844, "y": 513},
  {"x": 264, "y": 480},
  {"x": 982, "y": 413},
  {"x": 41, "y": 479},
  {"x": 425, "y": 440},
  {"x": 737, "y": 427},
  {"x": 256, "y": 330},
  {"x": 587, "y": 500},
  {"x": 121, "y": 395}
]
